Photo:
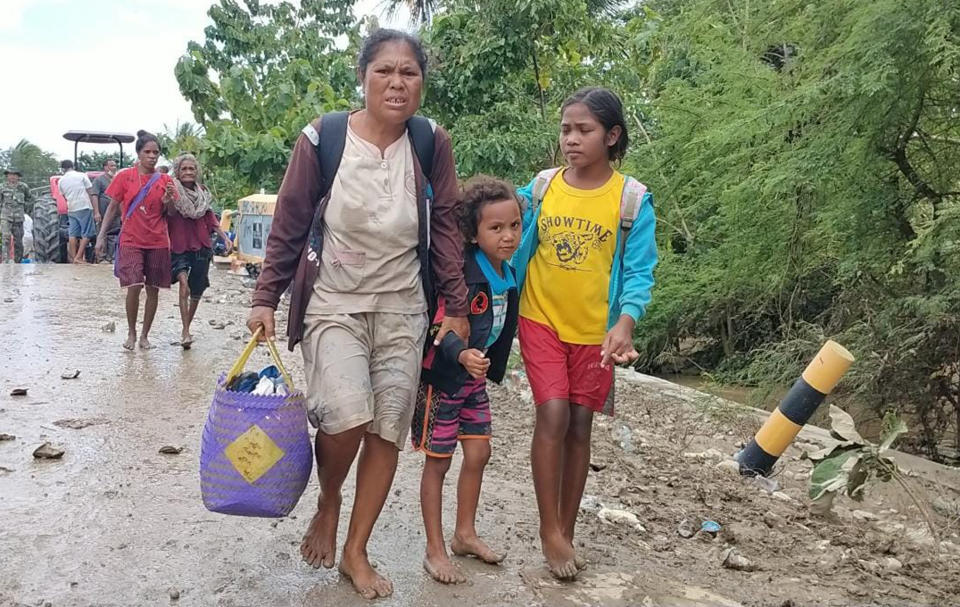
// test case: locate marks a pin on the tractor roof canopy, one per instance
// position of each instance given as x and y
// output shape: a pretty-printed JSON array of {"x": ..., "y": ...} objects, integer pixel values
[{"x": 98, "y": 137}]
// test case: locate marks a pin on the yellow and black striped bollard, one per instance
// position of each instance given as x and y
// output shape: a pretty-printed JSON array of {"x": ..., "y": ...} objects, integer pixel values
[{"x": 818, "y": 380}]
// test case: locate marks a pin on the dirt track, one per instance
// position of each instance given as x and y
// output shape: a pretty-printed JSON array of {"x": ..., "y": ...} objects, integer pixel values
[{"x": 116, "y": 523}]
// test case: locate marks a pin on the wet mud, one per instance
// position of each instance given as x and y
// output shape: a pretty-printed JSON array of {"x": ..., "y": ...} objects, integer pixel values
[{"x": 116, "y": 522}]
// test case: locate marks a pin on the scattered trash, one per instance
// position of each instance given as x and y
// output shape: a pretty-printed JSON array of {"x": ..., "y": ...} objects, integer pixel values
[
  {"x": 770, "y": 485},
  {"x": 79, "y": 424},
  {"x": 110, "y": 327},
  {"x": 171, "y": 450},
  {"x": 18, "y": 392},
  {"x": 70, "y": 374},
  {"x": 48, "y": 451},
  {"x": 731, "y": 559},
  {"x": 597, "y": 467},
  {"x": 711, "y": 527},
  {"x": 620, "y": 517},
  {"x": 686, "y": 529},
  {"x": 624, "y": 438},
  {"x": 4, "y": 436},
  {"x": 590, "y": 503}
]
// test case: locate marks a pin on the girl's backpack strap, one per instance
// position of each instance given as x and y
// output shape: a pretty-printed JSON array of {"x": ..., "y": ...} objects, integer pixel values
[
  {"x": 630, "y": 202},
  {"x": 541, "y": 184}
]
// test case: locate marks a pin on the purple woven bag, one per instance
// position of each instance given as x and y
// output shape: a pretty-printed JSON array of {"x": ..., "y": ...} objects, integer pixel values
[{"x": 255, "y": 453}]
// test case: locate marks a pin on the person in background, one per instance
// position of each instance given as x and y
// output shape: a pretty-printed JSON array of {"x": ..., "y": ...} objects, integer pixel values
[
  {"x": 164, "y": 168},
  {"x": 190, "y": 224},
  {"x": 143, "y": 196},
  {"x": 82, "y": 210},
  {"x": 100, "y": 185},
  {"x": 14, "y": 198}
]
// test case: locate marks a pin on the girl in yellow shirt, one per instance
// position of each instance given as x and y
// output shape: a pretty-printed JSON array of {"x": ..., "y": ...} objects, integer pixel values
[{"x": 585, "y": 270}]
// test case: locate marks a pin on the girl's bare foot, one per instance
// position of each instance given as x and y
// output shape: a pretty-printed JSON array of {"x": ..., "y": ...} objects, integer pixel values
[
  {"x": 474, "y": 546},
  {"x": 366, "y": 581},
  {"x": 442, "y": 569},
  {"x": 561, "y": 558},
  {"x": 131, "y": 341},
  {"x": 319, "y": 546},
  {"x": 145, "y": 343}
]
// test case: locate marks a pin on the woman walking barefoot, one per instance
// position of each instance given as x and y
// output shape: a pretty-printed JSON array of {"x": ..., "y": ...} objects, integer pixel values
[
  {"x": 191, "y": 223},
  {"x": 143, "y": 197},
  {"x": 363, "y": 251}
]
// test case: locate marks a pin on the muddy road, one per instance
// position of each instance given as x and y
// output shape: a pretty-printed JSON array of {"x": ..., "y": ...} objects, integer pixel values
[{"x": 115, "y": 522}]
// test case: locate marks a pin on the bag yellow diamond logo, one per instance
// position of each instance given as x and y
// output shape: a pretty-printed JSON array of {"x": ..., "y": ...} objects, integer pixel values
[{"x": 253, "y": 453}]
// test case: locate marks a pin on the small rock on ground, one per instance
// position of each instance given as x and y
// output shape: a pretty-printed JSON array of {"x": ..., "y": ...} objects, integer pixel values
[
  {"x": 171, "y": 450},
  {"x": 4, "y": 436},
  {"x": 736, "y": 561},
  {"x": 48, "y": 451}
]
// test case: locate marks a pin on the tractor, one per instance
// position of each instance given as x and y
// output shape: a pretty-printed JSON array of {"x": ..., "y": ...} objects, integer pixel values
[{"x": 50, "y": 210}]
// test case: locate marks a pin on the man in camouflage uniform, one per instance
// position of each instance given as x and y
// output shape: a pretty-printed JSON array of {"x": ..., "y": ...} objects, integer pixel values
[{"x": 14, "y": 197}]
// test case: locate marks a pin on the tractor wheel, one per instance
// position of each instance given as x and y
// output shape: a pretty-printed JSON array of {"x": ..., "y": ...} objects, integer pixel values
[{"x": 46, "y": 231}]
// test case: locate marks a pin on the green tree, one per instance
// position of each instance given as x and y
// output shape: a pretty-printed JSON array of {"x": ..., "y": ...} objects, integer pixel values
[
  {"x": 262, "y": 73},
  {"x": 36, "y": 165},
  {"x": 93, "y": 161}
]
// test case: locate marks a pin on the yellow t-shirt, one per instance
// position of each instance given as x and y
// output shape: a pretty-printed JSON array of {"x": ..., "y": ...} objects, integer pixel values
[{"x": 568, "y": 279}]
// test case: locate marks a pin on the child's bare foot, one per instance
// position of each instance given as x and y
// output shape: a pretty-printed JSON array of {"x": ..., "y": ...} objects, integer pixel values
[
  {"x": 319, "y": 546},
  {"x": 561, "y": 558},
  {"x": 442, "y": 569},
  {"x": 366, "y": 581},
  {"x": 131, "y": 341},
  {"x": 474, "y": 546},
  {"x": 145, "y": 343}
]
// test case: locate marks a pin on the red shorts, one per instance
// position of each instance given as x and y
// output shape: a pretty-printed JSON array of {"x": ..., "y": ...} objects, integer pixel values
[
  {"x": 150, "y": 267},
  {"x": 566, "y": 371}
]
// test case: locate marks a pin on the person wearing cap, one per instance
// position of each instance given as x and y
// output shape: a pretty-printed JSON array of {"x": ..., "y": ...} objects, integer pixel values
[{"x": 14, "y": 197}]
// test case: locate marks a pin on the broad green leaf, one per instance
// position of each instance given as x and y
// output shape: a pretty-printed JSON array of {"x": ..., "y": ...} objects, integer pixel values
[{"x": 832, "y": 473}]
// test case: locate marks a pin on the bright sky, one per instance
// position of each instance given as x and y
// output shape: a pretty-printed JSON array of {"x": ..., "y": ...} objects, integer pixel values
[{"x": 79, "y": 65}]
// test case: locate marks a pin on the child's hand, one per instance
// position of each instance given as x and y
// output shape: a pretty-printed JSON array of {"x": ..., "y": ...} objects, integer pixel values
[
  {"x": 618, "y": 344},
  {"x": 474, "y": 362}
]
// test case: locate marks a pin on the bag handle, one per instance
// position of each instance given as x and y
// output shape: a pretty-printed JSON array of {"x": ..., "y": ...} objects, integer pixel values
[{"x": 238, "y": 366}]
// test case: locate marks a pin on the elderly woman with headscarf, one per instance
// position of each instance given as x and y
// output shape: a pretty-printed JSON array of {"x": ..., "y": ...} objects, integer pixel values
[{"x": 191, "y": 222}]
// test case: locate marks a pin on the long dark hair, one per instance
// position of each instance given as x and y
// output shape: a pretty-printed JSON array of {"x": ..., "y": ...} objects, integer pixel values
[
  {"x": 143, "y": 138},
  {"x": 607, "y": 108},
  {"x": 373, "y": 42}
]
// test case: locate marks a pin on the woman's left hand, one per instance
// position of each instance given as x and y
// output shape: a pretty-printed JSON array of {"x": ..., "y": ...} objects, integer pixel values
[
  {"x": 618, "y": 344},
  {"x": 457, "y": 324}
]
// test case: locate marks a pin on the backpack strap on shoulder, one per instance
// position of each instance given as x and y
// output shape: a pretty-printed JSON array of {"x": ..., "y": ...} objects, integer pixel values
[
  {"x": 630, "y": 202},
  {"x": 421, "y": 131},
  {"x": 330, "y": 145},
  {"x": 541, "y": 183}
]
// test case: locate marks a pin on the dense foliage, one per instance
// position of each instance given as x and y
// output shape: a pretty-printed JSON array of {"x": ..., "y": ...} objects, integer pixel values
[
  {"x": 804, "y": 158},
  {"x": 36, "y": 165}
]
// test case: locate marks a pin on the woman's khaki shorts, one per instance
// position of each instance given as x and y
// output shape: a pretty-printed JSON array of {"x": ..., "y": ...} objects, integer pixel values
[{"x": 363, "y": 369}]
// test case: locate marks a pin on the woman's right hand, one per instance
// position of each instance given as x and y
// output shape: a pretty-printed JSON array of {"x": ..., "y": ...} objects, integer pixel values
[{"x": 262, "y": 316}]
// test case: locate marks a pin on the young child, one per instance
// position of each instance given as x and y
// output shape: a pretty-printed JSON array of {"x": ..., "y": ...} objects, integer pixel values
[
  {"x": 585, "y": 270},
  {"x": 454, "y": 405}
]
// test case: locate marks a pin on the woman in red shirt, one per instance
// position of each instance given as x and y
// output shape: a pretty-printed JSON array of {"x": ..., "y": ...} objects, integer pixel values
[
  {"x": 190, "y": 224},
  {"x": 143, "y": 197}
]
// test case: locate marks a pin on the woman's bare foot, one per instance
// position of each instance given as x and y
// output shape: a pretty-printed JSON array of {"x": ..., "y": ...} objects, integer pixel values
[
  {"x": 145, "y": 343},
  {"x": 186, "y": 340},
  {"x": 474, "y": 546},
  {"x": 319, "y": 546},
  {"x": 442, "y": 569},
  {"x": 561, "y": 558},
  {"x": 366, "y": 581},
  {"x": 131, "y": 341}
]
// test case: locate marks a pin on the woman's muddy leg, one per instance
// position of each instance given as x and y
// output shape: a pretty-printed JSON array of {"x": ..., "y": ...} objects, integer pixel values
[
  {"x": 184, "y": 297},
  {"x": 335, "y": 454},
  {"x": 149, "y": 313},
  {"x": 133, "y": 308},
  {"x": 375, "y": 471}
]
